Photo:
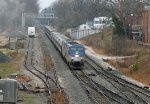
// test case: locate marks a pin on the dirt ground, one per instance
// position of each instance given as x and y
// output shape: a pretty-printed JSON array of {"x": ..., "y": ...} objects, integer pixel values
[
  {"x": 125, "y": 66},
  {"x": 16, "y": 59}
]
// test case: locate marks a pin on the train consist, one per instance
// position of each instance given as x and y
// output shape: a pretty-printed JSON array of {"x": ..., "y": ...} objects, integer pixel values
[{"x": 71, "y": 51}]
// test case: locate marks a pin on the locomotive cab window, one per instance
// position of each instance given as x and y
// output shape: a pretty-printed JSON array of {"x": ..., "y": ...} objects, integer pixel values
[
  {"x": 80, "y": 49},
  {"x": 73, "y": 49}
]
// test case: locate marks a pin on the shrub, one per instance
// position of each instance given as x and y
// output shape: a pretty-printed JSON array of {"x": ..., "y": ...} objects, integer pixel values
[{"x": 135, "y": 66}]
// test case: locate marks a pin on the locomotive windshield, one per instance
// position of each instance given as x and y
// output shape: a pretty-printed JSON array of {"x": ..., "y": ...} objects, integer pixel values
[
  {"x": 76, "y": 51},
  {"x": 73, "y": 49}
]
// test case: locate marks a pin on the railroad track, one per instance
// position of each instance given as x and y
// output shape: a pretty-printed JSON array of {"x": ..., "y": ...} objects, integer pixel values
[
  {"x": 132, "y": 92},
  {"x": 28, "y": 63},
  {"x": 124, "y": 93},
  {"x": 51, "y": 84},
  {"x": 51, "y": 73},
  {"x": 100, "y": 90},
  {"x": 93, "y": 93},
  {"x": 92, "y": 90}
]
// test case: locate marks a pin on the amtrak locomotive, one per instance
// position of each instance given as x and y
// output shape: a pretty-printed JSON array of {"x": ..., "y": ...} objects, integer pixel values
[{"x": 71, "y": 51}]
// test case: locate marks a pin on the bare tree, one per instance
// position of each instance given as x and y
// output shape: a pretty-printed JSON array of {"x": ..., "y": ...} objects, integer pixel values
[{"x": 72, "y": 13}]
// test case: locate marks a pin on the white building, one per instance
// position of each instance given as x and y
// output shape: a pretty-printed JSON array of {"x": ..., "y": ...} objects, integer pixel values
[
  {"x": 84, "y": 27},
  {"x": 100, "y": 22}
]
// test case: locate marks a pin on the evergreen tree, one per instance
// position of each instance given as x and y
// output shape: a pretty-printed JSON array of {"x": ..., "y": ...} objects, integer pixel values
[{"x": 118, "y": 30}]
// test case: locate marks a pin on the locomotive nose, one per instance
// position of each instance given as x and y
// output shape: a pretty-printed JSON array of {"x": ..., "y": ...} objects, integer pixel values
[{"x": 76, "y": 59}]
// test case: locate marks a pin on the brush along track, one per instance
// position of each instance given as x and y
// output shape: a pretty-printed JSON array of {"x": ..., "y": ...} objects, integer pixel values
[
  {"x": 55, "y": 93},
  {"x": 126, "y": 89},
  {"x": 51, "y": 73},
  {"x": 58, "y": 92},
  {"x": 29, "y": 65}
]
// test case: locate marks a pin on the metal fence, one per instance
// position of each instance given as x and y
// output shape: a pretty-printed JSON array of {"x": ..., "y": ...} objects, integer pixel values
[{"x": 78, "y": 34}]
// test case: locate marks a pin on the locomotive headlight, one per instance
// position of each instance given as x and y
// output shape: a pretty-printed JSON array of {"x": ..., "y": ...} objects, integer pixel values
[
  {"x": 76, "y": 55},
  {"x": 81, "y": 58}
]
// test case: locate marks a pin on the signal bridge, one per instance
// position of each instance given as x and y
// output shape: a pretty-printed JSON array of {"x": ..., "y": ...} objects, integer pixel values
[
  {"x": 46, "y": 15},
  {"x": 46, "y": 18},
  {"x": 43, "y": 18}
]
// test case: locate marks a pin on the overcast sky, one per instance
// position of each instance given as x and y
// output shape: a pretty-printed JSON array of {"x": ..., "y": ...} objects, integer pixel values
[{"x": 45, "y": 3}]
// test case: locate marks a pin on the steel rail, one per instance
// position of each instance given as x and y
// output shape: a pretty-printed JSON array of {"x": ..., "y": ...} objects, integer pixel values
[
  {"x": 120, "y": 81},
  {"x": 71, "y": 69},
  {"x": 45, "y": 53},
  {"x": 56, "y": 79},
  {"x": 106, "y": 92},
  {"x": 128, "y": 93}
]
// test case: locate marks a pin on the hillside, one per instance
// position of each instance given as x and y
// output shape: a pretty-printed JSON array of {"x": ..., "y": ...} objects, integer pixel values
[{"x": 136, "y": 67}]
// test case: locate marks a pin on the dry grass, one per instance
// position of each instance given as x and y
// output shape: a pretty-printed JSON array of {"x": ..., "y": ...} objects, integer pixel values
[
  {"x": 103, "y": 44},
  {"x": 12, "y": 66},
  {"x": 48, "y": 62},
  {"x": 16, "y": 59},
  {"x": 58, "y": 98},
  {"x": 142, "y": 74},
  {"x": 99, "y": 41},
  {"x": 22, "y": 78}
]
